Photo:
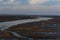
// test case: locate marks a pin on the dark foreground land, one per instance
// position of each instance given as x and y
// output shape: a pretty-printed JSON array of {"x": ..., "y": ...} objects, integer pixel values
[
  {"x": 15, "y": 17},
  {"x": 4, "y": 18},
  {"x": 32, "y": 30}
]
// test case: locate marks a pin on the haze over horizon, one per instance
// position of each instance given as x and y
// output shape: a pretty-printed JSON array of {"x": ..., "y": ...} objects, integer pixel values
[{"x": 30, "y": 7}]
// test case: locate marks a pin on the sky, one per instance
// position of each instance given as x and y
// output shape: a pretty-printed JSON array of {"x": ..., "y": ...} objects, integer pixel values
[{"x": 30, "y": 7}]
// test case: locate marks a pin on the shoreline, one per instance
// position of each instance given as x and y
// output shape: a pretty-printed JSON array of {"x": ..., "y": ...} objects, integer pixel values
[
  {"x": 27, "y": 30},
  {"x": 13, "y": 18}
]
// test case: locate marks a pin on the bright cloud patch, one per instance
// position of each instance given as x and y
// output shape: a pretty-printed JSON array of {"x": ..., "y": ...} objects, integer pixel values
[
  {"x": 22, "y": 2},
  {"x": 34, "y": 2}
]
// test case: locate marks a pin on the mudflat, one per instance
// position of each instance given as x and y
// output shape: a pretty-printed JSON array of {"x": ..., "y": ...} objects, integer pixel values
[
  {"x": 5, "y": 34},
  {"x": 34, "y": 29}
]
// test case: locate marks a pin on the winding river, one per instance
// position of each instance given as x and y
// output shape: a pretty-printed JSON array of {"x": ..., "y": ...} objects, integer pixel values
[{"x": 6, "y": 25}]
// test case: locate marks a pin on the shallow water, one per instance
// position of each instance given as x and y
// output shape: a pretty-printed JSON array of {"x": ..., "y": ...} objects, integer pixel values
[{"x": 6, "y": 25}]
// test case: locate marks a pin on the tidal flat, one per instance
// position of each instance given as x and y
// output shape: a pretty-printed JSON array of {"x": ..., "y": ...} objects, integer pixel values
[{"x": 31, "y": 29}]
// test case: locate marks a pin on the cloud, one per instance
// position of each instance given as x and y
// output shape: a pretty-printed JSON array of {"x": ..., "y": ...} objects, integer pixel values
[
  {"x": 30, "y": 10},
  {"x": 9, "y": 2},
  {"x": 36, "y": 2},
  {"x": 22, "y": 2},
  {"x": 1, "y": 1},
  {"x": 33, "y": 7},
  {"x": 52, "y": 3}
]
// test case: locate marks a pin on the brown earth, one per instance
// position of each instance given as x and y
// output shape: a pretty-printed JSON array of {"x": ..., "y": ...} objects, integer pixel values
[
  {"x": 34, "y": 26},
  {"x": 7, "y": 18},
  {"x": 4, "y": 34},
  {"x": 51, "y": 21},
  {"x": 28, "y": 30}
]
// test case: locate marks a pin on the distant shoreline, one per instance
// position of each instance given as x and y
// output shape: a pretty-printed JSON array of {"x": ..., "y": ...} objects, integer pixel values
[
  {"x": 13, "y": 18},
  {"x": 4, "y": 18}
]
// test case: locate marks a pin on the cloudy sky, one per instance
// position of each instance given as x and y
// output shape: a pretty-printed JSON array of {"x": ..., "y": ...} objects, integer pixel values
[{"x": 30, "y": 7}]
